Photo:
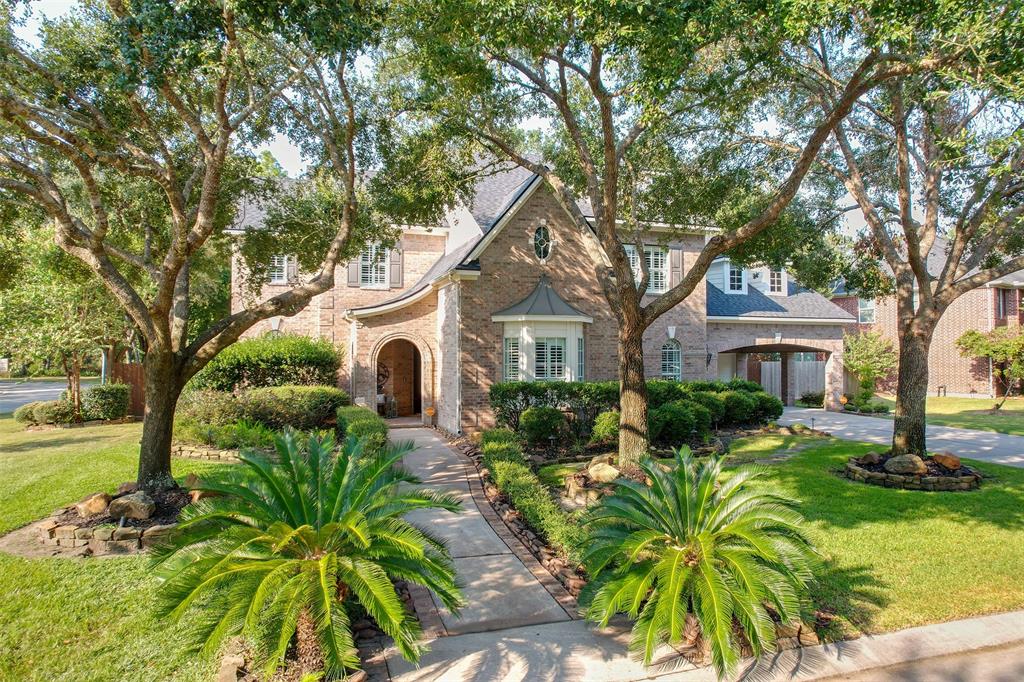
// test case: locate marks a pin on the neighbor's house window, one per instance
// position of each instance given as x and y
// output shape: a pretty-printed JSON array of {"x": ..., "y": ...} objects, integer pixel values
[
  {"x": 671, "y": 361},
  {"x": 511, "y": 371},
  {"x": 775, "y": 281},
  {"x": 866, "y": 310},
  {"x": 1001, "y": 303},
  {"x": 373, "y": 266},
  {"x": 656, "y": 259},
  {"x": 735, "y": 278},
  {"x": 278, "y": 270},
  {"x": 549, "y": 359}
]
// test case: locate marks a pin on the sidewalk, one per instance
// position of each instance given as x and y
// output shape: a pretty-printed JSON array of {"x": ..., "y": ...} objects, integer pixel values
[
  {"x": 518, "y": 627},
  {"x": 984, "y": 446}
]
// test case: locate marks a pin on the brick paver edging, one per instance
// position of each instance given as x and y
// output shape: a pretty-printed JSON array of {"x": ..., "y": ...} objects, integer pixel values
[{"x": 510, "y": 538}]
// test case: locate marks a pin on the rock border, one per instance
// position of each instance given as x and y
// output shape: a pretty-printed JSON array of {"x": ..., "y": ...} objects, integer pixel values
[
  {"x": 203, "y": 452},
  {"x": 100, "y": 540},
  {"x": 970, "y": 480}
]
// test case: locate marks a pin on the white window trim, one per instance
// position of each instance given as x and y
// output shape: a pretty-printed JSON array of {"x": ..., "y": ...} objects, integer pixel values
[
  {"x": 385, "y": 259},
  {"x": 862, "y": 308},
  {"x": 665, "y": 270},
  {"x": 784, "y": 277},
  {"x": 510, "y": 353},
  {"x": 273, "y": 277},
  {"x": 728, "y": 279},
  {"x": 677, "y": 349},
  {"x": 527, "y": 332}
]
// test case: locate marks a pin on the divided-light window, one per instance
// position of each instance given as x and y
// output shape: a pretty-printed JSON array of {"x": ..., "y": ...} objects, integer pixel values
[{"x": 656, "y": 259}]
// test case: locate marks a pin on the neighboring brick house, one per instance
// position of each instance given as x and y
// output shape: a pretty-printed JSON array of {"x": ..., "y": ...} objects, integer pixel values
[
  {"x": 949, "y": 373},
  {"x": 503, "y": 289}
]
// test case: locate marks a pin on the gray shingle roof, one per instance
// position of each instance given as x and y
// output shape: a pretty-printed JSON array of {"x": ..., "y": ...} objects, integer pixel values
[
  {"x": 543, "y": 301},
  {"x": 799, "y": 302}
]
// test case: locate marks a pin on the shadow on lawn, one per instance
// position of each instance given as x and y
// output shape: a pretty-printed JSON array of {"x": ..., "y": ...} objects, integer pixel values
[
  {"x": 854, "y": 594},
  {"x": 53, "y": 440},
  {"x": 827, "y": 497}
]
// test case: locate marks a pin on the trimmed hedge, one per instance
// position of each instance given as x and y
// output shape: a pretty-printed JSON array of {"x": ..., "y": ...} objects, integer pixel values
[
  {"x": 584, "y": 399},
  {"x": 271, "y": 360},
  {"x": 26, "y": 413},
  {"x": 54, "y": 412},
  {"x": 107, "y": 401},
  {"x": 241, "y": 434},
  {"x": 301, "y": 407},
  {"x": 539, "y": 423},
  {"x": 528, "y": 495},
  {"x": 361, "y": 422}
]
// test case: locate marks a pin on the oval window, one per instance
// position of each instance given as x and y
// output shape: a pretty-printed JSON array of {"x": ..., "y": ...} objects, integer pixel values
[{"x": 542, "y": 242}]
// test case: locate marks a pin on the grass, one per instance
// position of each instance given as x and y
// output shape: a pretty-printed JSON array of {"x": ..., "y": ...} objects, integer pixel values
[
  {"x": 80, "y": 619},
  {"x": 974, "y": 413},
  {"x": 894, "y": 558}
]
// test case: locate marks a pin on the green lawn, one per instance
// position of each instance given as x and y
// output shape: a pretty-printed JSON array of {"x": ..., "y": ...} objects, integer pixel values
[
  {"x": 899, "y": 558},
  {"x": 974, "y": 413},
  {"x": 80, "y": 619}
]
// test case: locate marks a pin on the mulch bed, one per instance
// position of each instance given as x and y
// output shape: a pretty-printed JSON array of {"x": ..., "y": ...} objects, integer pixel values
[
  {"x": 169, "y": 504},
  {"x": 934, "y": 468}
]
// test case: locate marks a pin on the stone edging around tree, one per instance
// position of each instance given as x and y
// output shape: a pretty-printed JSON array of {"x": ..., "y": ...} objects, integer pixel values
[
  {"x": 101, "y": 540},
  {"x": 189, "y": 451},
  {"x": 968, "y": 481}
]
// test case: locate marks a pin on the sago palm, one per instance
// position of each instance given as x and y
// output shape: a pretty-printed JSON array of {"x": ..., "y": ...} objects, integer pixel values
[
  {"x": 283, "y": 546},
  {"x": 693, "y": 543}
]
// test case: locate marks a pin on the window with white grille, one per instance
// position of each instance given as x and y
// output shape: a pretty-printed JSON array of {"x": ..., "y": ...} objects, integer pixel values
[
  {"x": 511, "y": 372},
  {"x": 735, "y": 278},
  {"x": 549, "y": 359},
  {"x": 373, "y": 266},
  {"x": 866, "y": 311},
  {"x": 775, "y": 281},
  {"x": 277, "y": 273},
  {"x": 656, "y": 258},
  {"x": 671, "y": 361}
]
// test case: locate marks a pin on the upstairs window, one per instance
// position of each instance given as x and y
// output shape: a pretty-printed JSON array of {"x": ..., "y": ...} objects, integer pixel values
[
  {"x": 373, "y": 266},
  {"x": 671, "y": 361},
  {"x": 542, "y": 243},
  {"x": 656, "y": 260},
  {"x": 278, "y": 270},
  {"x": 735, "y": 278},
  {"x": 549, "y": 359},
  {"x": 775, "y": 282},
  {"x": 866, "y": 310}
]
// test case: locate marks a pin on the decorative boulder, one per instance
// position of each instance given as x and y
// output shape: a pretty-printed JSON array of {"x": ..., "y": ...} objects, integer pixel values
[
  {"x": 127, "y": 487},
  {"x": 603, "y": 473},
  {"x": 137, "y": 505},
  {"x": 907, "y": 465},
  {"x": 947, "y": 460},
  {"x": 870, "y": 458},
  {"x": 602, "y": 459},
  {"x": 92, "y": 505}
]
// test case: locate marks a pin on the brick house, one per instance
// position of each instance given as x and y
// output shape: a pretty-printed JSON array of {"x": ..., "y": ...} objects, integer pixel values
[
  {"x": 997, "y": 304},
  {"x": 503, "y": 289}
]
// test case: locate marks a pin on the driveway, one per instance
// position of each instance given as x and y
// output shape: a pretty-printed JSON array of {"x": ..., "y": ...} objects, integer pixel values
[
  {"x": 14, "y": 394},
  {"x": 985, "y": 446}
]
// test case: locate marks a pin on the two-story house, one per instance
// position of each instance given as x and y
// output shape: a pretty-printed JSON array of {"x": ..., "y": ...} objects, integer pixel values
[{"x": 503, "y": 289}]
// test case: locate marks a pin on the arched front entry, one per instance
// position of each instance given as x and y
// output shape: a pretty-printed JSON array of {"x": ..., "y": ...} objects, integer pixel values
[
  {"x": 785, "y": 370},
  {"x": 399, "y": 377}
]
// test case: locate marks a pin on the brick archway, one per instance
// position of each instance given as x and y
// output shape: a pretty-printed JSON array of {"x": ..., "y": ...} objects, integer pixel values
[{"x": 422, "y": 399}]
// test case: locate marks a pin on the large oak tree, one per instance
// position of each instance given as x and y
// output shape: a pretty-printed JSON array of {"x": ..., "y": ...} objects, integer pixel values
[{"x": 637, "y": 107}]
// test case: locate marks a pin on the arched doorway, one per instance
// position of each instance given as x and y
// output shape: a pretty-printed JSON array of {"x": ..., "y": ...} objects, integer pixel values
[{"x": 400, "y": 378}]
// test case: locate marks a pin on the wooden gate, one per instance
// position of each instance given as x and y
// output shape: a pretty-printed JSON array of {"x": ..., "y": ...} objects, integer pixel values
[{"x": 131, "y": 373}]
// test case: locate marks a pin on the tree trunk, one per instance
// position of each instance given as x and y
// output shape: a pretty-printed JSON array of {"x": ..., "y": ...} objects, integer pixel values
[
  {"x": 310, "y": 658},
  {"x": 633, "y": 442},
  {"x": 161, "y": 372},
  {"x": 908, "y": 435}
]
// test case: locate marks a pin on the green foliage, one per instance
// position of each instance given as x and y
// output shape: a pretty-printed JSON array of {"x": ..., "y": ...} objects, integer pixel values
[
  {"x": 498, "y": 436},
  {"x": 234, "y": 436},
  {"x": 216, "y": 408},
  {"x": 1003, "y": 347},
  {"x": 271, "y": 360},
  {"x": 584, "y": 399},
  {"x": 606, "y": 427},
  {"x": 769, "y": 407},
  {"x": 107, "y": 401},
  {"x": 528, "y": 495},
  {"x": 696, "y": 543},
  {"x": 292, "y": 540},
  {"x": 300, "y": 407},
  {"x": 25, "y": 414},
  {"x": 712, "y": 402},
  {"x": 540, "y": 423},
  {"x": 740, "y": 407},
  {"x": 54, "y": 412},
  {"x": 672, "y": 423},
  {"x": 359, "y": 422},
  {"x": 870, "y": 356},
  {"x": 813, "y": 398},
  {"x": 662, "y": 391}
]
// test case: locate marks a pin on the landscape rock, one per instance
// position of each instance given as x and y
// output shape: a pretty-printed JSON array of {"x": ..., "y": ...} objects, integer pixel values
[
  {"x": 127, "y": 487},
  {"x": 602, "y": 459},
  {"x": 603, "y": 473},
  {"x": 126, "y": 533},
  {"x": 870, "y": 458},
  {"x": 137, "y": 505},
  {"x": 906, "y": 464},
  {"x": 947, "y": 460},
  {"x": 92, "y": 505}
]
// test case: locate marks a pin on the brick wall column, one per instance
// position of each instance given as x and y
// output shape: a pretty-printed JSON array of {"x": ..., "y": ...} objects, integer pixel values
[
  {"x": 833, "y": 380},
  {"x": 788, "y": 379}
]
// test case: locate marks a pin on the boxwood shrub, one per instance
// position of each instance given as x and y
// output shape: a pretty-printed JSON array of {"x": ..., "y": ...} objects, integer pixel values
[
  {"x": 54, "y": 412},
  {"x": 769, "y": 408},
  {"x": 25, "y": 414},
  {"x": 539, "y": 423},
  {"x": 606, "y": 427},
  {"x": 107, "y": 401},
  {"x": 712, "y": 402},
  {"x": 301, "y": 407},
  {"x": 271, "y": 360},
  {"x": 361, "y": 422}
]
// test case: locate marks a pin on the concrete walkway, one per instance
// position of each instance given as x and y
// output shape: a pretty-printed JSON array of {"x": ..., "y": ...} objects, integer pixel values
[{"x": 985, "y": 446}]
